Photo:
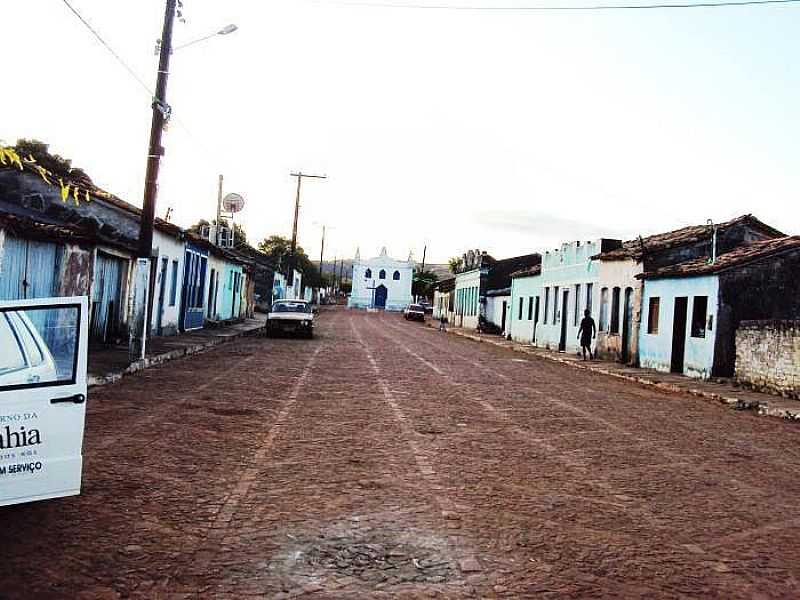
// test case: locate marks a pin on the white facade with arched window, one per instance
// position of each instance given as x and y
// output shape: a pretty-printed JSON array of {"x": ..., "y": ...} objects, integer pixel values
[{"x": 381, "y": 282}]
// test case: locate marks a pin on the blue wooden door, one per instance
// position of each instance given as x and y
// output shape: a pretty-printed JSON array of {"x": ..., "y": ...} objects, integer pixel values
[
  {"x": 29, "y": 269},
  {"x": 106, "y": 296},
  {"x": 380, "y": 296},
  {"x": 194, "y": 285}
]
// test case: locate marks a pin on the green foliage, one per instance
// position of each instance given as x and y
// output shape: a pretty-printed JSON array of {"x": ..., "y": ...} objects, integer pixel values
[
  {"x": 278, "y": 248},
  {"x": 455, "y": 264},
  {"x": 423, "y": 283}
]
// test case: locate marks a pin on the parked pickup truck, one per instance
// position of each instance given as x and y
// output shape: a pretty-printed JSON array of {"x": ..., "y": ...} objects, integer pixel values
[{"x": 292, "y": 317}]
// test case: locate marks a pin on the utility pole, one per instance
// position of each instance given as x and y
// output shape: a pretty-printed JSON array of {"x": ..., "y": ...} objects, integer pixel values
[
  {"x": 321, "y": 252},
  {"x": 161, "y": 111},
  {"x": 219, "y": 213},
  {"x": 422, "y": 269},
  {"x": 291, "y": 261},
  {"x": 341, "y": 266}
]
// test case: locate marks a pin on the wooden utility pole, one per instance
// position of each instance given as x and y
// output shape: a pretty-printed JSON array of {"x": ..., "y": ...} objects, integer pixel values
[
  {"x": 161, "y": 111},
  {"x": 291, "y": 261},
  {"x": 321, "y": 253}
]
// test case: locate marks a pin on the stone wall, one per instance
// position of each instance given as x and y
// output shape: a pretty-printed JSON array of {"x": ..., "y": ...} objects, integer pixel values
[{"x": 768, "y": 356}]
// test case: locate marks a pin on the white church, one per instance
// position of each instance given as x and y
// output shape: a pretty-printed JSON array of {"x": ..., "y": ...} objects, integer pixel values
[{"x": 381, "y": 282}]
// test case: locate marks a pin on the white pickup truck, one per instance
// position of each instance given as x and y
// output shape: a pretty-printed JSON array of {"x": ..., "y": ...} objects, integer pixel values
[
  {"x": 43, "y": 349},
  {"x": 295, "y": 317}
]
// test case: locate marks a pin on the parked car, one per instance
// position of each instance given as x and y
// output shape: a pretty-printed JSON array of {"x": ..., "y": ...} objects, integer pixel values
[
  {"x": 414, "y": 312},
  {"x": 294, "y": 317},
  {"x": 26, "y": 357},
  {"x": 427, "y": 306}
]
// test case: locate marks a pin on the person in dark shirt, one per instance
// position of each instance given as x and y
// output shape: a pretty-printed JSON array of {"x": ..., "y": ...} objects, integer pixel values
[{"x": 586, "y": 332}]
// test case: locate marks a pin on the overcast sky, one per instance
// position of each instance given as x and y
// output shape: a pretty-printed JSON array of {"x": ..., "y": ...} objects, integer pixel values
[{"x": 508, "y": 131}]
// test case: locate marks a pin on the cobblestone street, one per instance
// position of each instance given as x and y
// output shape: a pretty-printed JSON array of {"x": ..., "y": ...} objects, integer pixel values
[{"x": 384, "y": 459}]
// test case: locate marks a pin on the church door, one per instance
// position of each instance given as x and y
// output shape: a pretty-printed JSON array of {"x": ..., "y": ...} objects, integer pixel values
[{"x": 380, "y": 296}]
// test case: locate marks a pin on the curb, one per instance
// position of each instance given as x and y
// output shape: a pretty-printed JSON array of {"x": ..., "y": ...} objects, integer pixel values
[
  {"x": 159, "y": 359},
  {"x": 759, "y": 407}
]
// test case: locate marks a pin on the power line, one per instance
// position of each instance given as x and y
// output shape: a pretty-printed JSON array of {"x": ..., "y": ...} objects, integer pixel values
[
  {"x": 588, "y": 7},
  {"x": 109, "y": 48}
]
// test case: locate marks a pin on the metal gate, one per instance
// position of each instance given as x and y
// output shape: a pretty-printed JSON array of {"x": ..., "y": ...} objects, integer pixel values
[
  {"x": 29, "y": 269},
  {"x": 106, "y": 296}
]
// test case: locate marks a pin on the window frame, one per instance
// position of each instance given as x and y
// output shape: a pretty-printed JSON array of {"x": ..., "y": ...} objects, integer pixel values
[
  {"x": 695, "y": 331},
  {"x": 653, "y": 323}
]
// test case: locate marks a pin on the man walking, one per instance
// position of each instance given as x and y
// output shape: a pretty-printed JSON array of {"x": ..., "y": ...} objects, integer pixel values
[
  {"x": 442, "y": 321},
  {"x": 586, "y": 332}
]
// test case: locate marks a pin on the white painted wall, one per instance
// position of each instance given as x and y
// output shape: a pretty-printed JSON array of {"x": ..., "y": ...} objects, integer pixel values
[
  {"x": 398, "y": 291},
  {"x": 527, "y": 289},
  {"x": 655, "y": 349},
  {"x": 467, "y": 302},
  {"x": 494, "y": 311},
  {"x": 621, "y": 274},
  {"x": 166, "y": 246}
]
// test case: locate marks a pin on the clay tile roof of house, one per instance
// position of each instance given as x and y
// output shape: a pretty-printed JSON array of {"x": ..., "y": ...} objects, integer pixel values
[
  {"x": 740, "y": 256},
  {"x": 69, "y": 233},
  {"x": 529, "y": 272},
  {"x": 680, "y": 237}
]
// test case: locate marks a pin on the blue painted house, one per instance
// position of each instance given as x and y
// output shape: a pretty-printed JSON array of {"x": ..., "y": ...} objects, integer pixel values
[{"x": 691, "y": 310}]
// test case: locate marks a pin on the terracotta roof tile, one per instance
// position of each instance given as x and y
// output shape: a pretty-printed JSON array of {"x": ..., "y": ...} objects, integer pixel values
[
  {"x": 679, "y": 237},
  {"x": 739, "y": 256}
]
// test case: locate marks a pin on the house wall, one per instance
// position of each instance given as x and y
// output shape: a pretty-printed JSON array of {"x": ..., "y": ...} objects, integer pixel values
[
  {"x": 764, "y": 290},
  {"x": 167, "y": 247},
  {"x": 214, "y": 308},
  {"x": 467, "y": 298},
  {"x": 494, "y": 310},
  {"x": 524, "y": 288},
  {"x": 565, "y": 268},
  {"x": 74, "y": 264},
  {"x": 230, "y": 295},
  {"x": 768, "y": 356},
  {"x": 655, "y": 350},
  {"x": 621, "y": 274},
  {"x": 443, "y": 302}
]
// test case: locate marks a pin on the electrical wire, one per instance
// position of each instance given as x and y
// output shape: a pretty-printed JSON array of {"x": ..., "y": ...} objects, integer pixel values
[
  {"x": 588, "y": 7},
  {"x": 109, "y": 48}
]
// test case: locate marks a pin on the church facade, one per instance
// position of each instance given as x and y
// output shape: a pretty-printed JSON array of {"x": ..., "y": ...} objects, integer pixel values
[{"x": 381, "y": 282}]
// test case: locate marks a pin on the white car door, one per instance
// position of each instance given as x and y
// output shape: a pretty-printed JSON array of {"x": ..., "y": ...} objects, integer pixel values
[{"x": 43, "y": 353}]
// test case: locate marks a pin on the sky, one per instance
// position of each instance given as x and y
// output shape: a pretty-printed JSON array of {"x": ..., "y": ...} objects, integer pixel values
[{"x": 508, "y": 131}]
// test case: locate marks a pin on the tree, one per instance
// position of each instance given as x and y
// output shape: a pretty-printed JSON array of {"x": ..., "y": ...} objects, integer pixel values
[
  {"x": 278, "y": 248},
  {"x": 423, "y": 283},
  {"x": 455, "y": 264}
]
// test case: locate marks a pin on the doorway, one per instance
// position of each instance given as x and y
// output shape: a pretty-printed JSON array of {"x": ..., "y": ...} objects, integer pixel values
[
  {"x": 562, "y": 343},
  {"x": 679, "y": 334},
  {"x": 380, "y": 296},
  {"x": 535, "y": 320},
  {"x": 162, "y": 291},
  {"x": 503, "y": 320},
  {"x": 627, "y": 320}
]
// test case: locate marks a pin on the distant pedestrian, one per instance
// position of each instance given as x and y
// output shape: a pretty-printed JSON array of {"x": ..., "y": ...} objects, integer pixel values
[
  {"x": 442, "y": 322},
  {"x": 586, "y": 332}
]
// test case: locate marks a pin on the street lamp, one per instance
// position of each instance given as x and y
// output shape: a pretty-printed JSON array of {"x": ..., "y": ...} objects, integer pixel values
[{"x": 224, "y": 31}]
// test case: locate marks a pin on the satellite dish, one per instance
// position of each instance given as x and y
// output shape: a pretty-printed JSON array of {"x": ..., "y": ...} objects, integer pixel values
[{"x": 232, "y": 203}]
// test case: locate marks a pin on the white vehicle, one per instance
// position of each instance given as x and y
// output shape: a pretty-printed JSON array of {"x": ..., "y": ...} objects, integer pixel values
[
  {"x": 291, "y": 317},
  {"x": 43, "y": 350}
]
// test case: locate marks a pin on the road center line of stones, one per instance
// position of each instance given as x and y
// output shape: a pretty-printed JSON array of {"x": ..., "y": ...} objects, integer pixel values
[
  {"x": 467, "y": 562},
  {"x": 248, "y": 477}
]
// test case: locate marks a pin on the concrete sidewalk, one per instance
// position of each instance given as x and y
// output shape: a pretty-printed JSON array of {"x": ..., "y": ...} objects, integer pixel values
[
  {"x": 110, "y": 363},
  {"x": 726, "y": 393}
]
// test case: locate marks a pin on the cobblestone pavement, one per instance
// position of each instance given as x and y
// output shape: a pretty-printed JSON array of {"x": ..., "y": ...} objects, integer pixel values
[{"x": 386, "y": 460}]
